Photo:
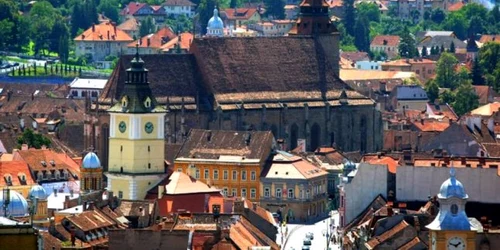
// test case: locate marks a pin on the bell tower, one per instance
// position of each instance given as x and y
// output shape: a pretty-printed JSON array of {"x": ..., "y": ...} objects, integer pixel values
[
  {"x": 136, "y": 139},
  {"x": 451, "y": 228}
]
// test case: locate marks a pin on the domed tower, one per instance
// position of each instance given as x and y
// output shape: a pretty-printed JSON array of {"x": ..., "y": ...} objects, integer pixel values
[
  {"x": 38, "y": 198},
  {"x": 91, "y": 172},
  {"x": 13, "y": 204},
  {"x": 451, "y": 228},
  {"x": 215, "y": 25}
]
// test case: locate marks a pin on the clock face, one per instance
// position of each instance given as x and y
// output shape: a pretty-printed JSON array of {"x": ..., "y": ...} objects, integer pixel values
[
  {"x": 149, "y": 127},
  {"x": 122, "y": 126},
  {"x": 456, "y": 243}
]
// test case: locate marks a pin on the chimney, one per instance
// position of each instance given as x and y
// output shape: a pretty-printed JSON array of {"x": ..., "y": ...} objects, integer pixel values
[
  {"x": 422, "y": 121},
  {"x": 24, "y": 147},
  {"x": 383, "y": 86},
  {"x": 9, "y": 95},
  {"x": 32, "y": 96},
  {"x": 91, "y": 205},
  {"x": 93, "y": 27},
  {"x": 149, "y": 42},
  {"x": 254, "y": 206},
  {"x": 108, "y": 34},
  {"x": 390, "y": 212}
]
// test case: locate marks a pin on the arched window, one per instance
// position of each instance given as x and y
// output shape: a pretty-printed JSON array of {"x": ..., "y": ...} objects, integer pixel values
[{"x": 124, "y": 102}]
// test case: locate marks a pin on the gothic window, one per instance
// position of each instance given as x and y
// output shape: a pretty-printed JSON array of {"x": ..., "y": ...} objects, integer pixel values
[
  {"x": 315, "y": 136},
  {"x": 147, "y": 102}
]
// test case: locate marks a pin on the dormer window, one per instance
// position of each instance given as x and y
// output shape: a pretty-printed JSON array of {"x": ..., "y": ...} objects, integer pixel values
[
  {"x": 39, "y": 176},
  {"x": 8, "y": 180},
  {"x": 147, "y": 102},
  {"x": 124, "y": 102},
  {"x": 22, "y": 178},
  {"x": 44, "y": 164},
  {"x": 52, "y": 163}
]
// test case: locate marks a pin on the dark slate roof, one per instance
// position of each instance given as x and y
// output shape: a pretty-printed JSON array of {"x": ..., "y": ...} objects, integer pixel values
[
  {"x": 170, "y": 76},
  {"x": 443, "y": 40},
  {"x": 260, "y": 68},
  {"x": 211, "y": 144},
  {"x": 412, "y": 92}
]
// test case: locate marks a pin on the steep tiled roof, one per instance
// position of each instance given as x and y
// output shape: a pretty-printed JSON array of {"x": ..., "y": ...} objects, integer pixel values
[
  {"x": 486, "y": 110},
  {"x": 90, "y": 220},
  {"x": 240, "y": 13},
  {"x": 382, "y": 40},
  {"x": 181, "y": 183},
  {"x": 15, "y": 169},
  {"x": 186, "y": 40},
  {"x": 489, "y": 38},
  {"x": 234, "y": 145},
  {"x": 104, "y": 32},
  {"x": 484, "y": 93},
  {"x": 72, "y": 109},
  {"x": 375, "y": 241},
  {"x": 132, "y": 8},
  {"x": 444, "y": 41},
  {"x": 391, "y": 163},
  {"x": 35, "y": 157},
  {"x": 444, "y": 109},
  {"x": 431, "y": 125},
  {"x": 287, "y": 166},
  {"x": 178, "y": 3},
  {"x": 135, "y": 207},
  {"x": 130, "y": 24},
  {"x": 155, "y": 40}
]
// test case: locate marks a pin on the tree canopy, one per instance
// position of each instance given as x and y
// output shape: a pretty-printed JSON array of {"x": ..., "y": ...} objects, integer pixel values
[
  {"x": 445, "y": 71},
  {"x": 33, "y": 140}
]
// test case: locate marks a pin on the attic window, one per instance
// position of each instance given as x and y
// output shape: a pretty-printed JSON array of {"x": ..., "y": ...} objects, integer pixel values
[
  {"x": 147, "y": 102},
  {"x": 43, "y": 163},
  {"x": 8, "y": 180},
  {"x": 53, "y": 163},
  {"x": 276, "y": 172},
  {"x": 286, "y": 173},
  {"x": 124, "y": 102}
]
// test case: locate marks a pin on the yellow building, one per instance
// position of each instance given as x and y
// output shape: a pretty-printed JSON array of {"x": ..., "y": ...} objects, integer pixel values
[
  {"x": 232, "y": 161},
  {"x": 136, "y": 138},
  {"x": 451, "y": 229}
]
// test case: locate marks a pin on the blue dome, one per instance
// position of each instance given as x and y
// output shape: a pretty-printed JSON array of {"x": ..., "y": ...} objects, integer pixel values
[
  {"x": 452, "y": 188},
  {"x": 91, "y": 161},
  {"x": 38, "y": 192},
  {"x": 18, "y": 206},
  {"x": 215, "y": 22}
]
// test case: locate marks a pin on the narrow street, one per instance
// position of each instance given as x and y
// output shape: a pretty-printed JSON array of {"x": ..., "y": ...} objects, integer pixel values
[{"x": 297, "y": 234}]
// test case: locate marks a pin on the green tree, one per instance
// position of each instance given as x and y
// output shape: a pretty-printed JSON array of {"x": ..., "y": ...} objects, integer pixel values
[
  {"x": 456, "y": 22},
  {"x": 59, "y": 29},
  {"x": 477, "y": 73},
  {"x": 205, "y": 10},
  {"x": 476, "y": 25},
  {"x": 447, "y": 97},
  {"x": 63, "y": 49},
  {"x": 441, "y": 50},
  {"x": 489, "y": 57},
  {"x": 42, "y": 18},
  {"x": 234, "y": 4},
  {"x": 407, "y": 44},
  {"x": 349, "y": 16},
  {"x": 110, "y": 9},
  {"x": 275, "y": 8},
  {"x": 368, "y": 10},
  {"x": 424, "y": 51},
  {"x": 445, "y": 71},
  {"x": 33, "y": 140},
  {"x": 147, "y": 27},
  {"x": 465, "y": 98},
  {"x": 452, "y": 47},
  {"x": 432, "y": 89},
  {"x": 362, "y": 35},
  {"x": 6, "y": 33},
  {"x": 438, "y": 15}
]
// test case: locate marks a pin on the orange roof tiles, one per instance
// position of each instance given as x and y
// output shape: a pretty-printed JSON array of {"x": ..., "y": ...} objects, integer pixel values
[
  {"x": 456, "y": 6},
  {"x": 287, "y": 166},
  {"x": 15, "y": 169},
  {"x": 385, "y": 160},
  {"x": 35, "y": 157},
  {"x": 375, "y": 241},
  {"x": 90, "y": 220},
  {"x": 155, "y": 40},
  {"x": 381, "y": 40},
  {"x": 186, "y": 40},
  {"x": 263, "y": 213},
  {"x": 335, "y": 3},
  {"x": 486, "y": 110},
  {"x": 410, "y": 244},
  {"x": 240, "y": 13},
  {"x": 431, "y": 125},
  {"x": 130, "y": 25},
  {"x": 489, "y": 38},
  {"x": 104, "y": 32},
  {"x": 132, "y": 8},
  {"x": 406, "y": 62},
  {"x": 458, "y": 162}
]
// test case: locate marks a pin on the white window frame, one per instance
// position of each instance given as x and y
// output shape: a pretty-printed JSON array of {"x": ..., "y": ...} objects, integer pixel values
[
  {"x": 243, "y": 175},
  {"x": 253, "y": 176},
  {"x": 225, "y": 175},
  {"x": 291, "y": 191},
  {"x": 225, "y": 191},
  {"x": 278, "y": 193},
  {"x": 244, "y": 192},
  {"x": 267, "y": 192},
  {"x": 235, "y": 175},
  {"x": 216, "y": 174},
  {"x": 234, "y": 192},
  {"x": 197, "y": 174},
  {"x": 206, "y": 173},
  {"x": 253, "y": 193}
]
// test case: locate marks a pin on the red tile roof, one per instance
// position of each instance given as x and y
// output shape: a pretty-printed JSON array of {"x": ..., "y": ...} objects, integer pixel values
[
  {"x": 431, "y": 125},
  {"x": 456, "y": 6},
  {"x": 90, "y": 220},
  {"x": 375, "y": 241},
  {"x": 155, "y": 40},
  {"x": 385, "y": 160},
  {"x": 15, "y": 169},
  {"x": 132, "y": 8},
  {"x": 410, "y": 244},
  {"x": 381, "y": 40},
  {"x": 186, "y": 40},
  {"x": 489, "y": 38},
  {"x": 35, "y": 157},
  {"x": 181, "y": 183},
  {"x": 240, "y": 13},
  {"x": 104, "y": 32}
]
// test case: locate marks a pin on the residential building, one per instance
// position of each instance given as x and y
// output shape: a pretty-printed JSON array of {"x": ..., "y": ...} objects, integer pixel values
[
  {"x": 242, "y": 31},
  {"x": 273, "y": 27},
  {"x": 380, "y": 4},
  {"x": 369, "y": 65},
  {"x": 50, "y": 169},
  {"x": 415, "y": 9},
  {"x": 440, "y": 41},
  {"x": 408, "y": 97},
  {"x": 232, "y": 161},
  {"x": 421, "y": 35},
  {"x": 240, "y": 16},
  {"x": 366, "y": 181},
  {"x": 16, "y": 176},
  {"x": 131, "y": 27},
  {"x": 15, "y": 235},
  {"x": 291, "y": 11},
  {"x": 489, "y": 38},
  {"x": 486, "y": 94},
  {"x": 180, "y": 192},
  {"x": 355, "y": 56},
  {"x": 179, "y": 7},
  {"x": 386, "y": 44},
  {"x": 199, "y": 90},
  {"x": 141, "y": 11},
  {"x": 83, "y": 88},
  {"x": 179, "y": 44},
  {"x": 139, "y": 213},
  {"x": 152, "y": 43},
  {"x": 424, "y": 68},
  {"x": 295, "y": 187},
  {"x": 100, "y": 41},
  {"x": 136, "y": 138},
  {"x": 486, "y": 110},
  {"x": 441, "y": 111}
]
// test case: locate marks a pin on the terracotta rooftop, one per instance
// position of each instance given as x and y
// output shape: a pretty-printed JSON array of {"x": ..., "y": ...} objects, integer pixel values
[
  {"x": 456, "y": 6},
  {"x": 408, "y": 62},
  {"x": 260, "y": 211},
  {"x": 391, "y": 163},
  {"x": 155, "y": 40},
  {"x": 358, "y": 74},
  {"x": 104, "y": 32},
  {"x": 91, "y": 220},
  {"x": 288, "y": 166},
  {"x": 484, "y": 93},
  {"x": 489, "y": 38},
  {"x": 72, "y": 109},
  {"x": 186, "y": 40},
  {"x": 132, "y": 8},
  {"x": 444, "y": 109},
  {"x": 382, "y": 40},
  {"x": 415, "y": 243},
  {"x": 355, "y": 56},
  {"x": 18, "y": 172},
  {"x": 238, "y": 146},
  {"x": 240, "y": 13},
  {"x": 431, "y": 125},
  {"x": 181, "y": 183},
  {"x": 130, "y": 24},
  {"x": 375, "y": 241}
]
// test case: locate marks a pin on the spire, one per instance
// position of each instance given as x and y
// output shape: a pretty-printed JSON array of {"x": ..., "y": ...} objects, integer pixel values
[{"x": 313, "y": 19}]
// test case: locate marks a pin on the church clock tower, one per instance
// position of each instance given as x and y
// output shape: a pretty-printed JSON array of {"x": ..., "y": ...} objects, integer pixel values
[
  {"x": 136, "y": 140},
  {"x": 451, "y": 228}
]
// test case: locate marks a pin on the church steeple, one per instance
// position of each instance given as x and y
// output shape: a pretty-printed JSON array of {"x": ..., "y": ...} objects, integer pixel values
[
  {"x": 137, "y": 96},
  {"x": 313, "y": 19}
]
